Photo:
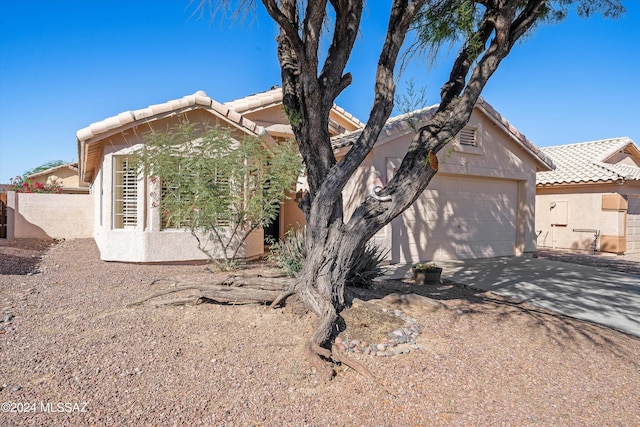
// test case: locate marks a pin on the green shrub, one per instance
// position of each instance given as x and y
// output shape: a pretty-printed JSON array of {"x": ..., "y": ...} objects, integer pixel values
[
  {"x": 367, "y": 266},
  {"x": 290, "y": 254}
]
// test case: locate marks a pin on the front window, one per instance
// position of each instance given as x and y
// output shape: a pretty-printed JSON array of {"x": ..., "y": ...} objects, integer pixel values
[
  {"x": 180, "y": 201},
  {"x": 125, "y": 179}
]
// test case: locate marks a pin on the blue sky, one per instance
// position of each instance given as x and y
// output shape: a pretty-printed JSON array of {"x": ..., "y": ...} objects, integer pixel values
[{"x": 67, "y": 64}]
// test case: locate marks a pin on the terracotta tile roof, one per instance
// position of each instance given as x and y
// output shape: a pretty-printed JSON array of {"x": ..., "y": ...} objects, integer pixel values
[
  {"x": 402, "y": 124},
  {"x": 586, "y": 162},
  {"x": 90, "y": 150},
  {"x": 72, "y": 166},
  {"x": 198, "y": 99},
  {"x": 395, "y": 126},
  {"x": 257, "y": 101},
  {"x": 262, "y": 100},
  {"x": 348, "y": 115}
]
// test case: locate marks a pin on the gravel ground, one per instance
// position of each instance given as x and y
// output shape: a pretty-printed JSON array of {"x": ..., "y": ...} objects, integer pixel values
[{"x": 72, "y": 353}]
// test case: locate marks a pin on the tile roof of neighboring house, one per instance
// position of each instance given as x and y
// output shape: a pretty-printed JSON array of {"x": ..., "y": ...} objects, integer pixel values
[
  {"x": 87, "y": 153},
  {"x": 586, "y": 162},
  {"x": 73, "y": 166},
  {"x": 262, "y": 100},
  {"x": 402, "y": 124}
]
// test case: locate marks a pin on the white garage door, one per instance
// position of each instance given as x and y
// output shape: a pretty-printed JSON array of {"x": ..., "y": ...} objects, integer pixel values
[
  {"x": 633, "y": 225},
  {"x": 458, "y": 218}
]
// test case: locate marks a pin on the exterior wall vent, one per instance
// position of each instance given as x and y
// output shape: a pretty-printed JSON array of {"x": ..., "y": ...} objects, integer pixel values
[{"x": 467, "y": 136}]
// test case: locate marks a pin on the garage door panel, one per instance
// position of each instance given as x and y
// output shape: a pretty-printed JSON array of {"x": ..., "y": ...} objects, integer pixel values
[{"x": 478, "y": 220}]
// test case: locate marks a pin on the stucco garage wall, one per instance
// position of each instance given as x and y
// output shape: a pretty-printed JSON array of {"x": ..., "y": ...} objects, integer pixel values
[
  {"x": 49, "y": 216},
  {"x": 480, "y": 204}
]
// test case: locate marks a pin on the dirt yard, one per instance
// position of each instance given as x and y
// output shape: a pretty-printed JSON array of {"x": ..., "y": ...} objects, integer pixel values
[{"x": 73, "y": 353}]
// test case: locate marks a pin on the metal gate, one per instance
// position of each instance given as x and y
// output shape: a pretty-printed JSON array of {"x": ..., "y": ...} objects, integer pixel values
[{"x": 3, "y": 216}]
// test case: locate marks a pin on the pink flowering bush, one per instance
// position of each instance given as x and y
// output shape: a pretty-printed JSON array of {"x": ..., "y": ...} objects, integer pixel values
[{"x": 21, "y": 185}]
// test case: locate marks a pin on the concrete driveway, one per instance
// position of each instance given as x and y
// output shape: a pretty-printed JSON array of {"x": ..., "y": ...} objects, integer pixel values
[{"x": 588, "y": 293}]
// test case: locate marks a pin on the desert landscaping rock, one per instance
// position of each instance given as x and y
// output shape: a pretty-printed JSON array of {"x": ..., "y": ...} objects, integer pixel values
[
  {"x": 405, "y": 335},
  {"x": 222, "y": 365}
]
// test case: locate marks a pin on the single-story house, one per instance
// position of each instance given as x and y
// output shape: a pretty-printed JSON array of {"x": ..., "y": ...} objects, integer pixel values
[
  {"x": 591, "y": 201},
  {"x": 481, "y": 203},
  {"x": 67, "y": 176},
  {"x": 127, "y": 224}
]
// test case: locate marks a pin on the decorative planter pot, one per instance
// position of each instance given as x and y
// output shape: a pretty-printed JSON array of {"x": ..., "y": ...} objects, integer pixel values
[{"x": 430, "y": 276}]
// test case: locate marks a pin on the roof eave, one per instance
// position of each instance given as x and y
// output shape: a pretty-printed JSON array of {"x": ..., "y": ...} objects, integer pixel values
[
  {"x": 50, "y": 170},
  {"x": 97, "y": 132}
]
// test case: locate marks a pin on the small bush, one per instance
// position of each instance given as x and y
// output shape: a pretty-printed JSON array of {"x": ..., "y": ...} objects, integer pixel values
[
  {"x": 29, "y": 185},
  {"x": 290, "y": 254},
  {"x": 367, "y": 266}
]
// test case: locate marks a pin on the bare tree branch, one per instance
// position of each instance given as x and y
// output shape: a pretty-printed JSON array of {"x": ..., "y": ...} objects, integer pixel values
[{"x": 286, "y": 20}]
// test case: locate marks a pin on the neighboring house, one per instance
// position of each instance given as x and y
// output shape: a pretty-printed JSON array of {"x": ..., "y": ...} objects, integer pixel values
[
  {"x": 128, "y": 224},
  {"x": 592, "y": 200},
  {"x": 479, "y": 205},
  {"x": 67, "y": 176},
  {"x": 68, "y": 215}
]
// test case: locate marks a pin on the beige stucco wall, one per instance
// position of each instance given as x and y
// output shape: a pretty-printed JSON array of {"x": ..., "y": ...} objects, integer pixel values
[
  {"x": 562, "y": 211},
  {"x": 268, "y": 116},
  {"x": 430, "y": 229},
  {"x": 291, "y": 217},
  {"x": 49, "y": 216},
  {"x": 560, "y": 217},
  {"x": 275, "y": 115}
]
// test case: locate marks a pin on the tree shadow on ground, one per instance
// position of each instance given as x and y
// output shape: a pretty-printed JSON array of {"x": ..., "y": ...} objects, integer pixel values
[
  {"x": 563, "y": 329},
  {"x": 18, "y": 264},
  {"x": 446, "y": 290},
  {"x": 22, "y": 256},
  {"x": 464, "y": 300}
]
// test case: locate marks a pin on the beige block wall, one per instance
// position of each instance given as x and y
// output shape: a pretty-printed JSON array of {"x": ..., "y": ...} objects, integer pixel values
[
  {"x": 49, "y": 216},
  {"x": 166, "y": 246}
]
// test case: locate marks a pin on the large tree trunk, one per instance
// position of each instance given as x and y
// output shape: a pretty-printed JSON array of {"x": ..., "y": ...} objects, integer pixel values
[
  {"x": 321, "y": 284},
  {"x": 309, "y": 92}
]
